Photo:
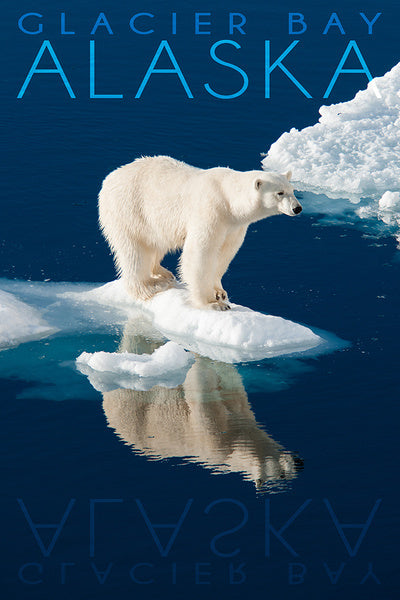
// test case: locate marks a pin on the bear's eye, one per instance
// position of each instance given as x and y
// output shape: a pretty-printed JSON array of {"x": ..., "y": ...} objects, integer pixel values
[{"x": 281, "y": 193}]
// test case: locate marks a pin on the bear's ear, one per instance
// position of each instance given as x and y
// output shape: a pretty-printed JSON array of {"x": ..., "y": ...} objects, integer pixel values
[
  {"x": 288, "y": 175},
  {"x": 258, "y": 183}
]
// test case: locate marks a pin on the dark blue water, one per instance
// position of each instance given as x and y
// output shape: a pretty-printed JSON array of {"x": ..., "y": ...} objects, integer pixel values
[{"x": 323, "y": 521}]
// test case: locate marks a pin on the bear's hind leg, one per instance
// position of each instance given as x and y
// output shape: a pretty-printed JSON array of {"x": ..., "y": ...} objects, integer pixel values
[
  {"x": 135, "y": 263},
  {"x": 160, "y": 271},
  {"x": 163, "y": 273}
]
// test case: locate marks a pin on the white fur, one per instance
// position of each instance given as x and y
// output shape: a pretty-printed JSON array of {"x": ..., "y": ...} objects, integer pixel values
[{"x": 156, "y": 205}]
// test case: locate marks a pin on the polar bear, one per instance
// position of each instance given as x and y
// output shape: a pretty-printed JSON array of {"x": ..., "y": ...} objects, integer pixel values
[{"x": 157, "y": 205}]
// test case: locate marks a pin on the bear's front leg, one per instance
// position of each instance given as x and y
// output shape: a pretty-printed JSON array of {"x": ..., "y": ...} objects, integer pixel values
[
  {"x": 198, "y": 270},
  {"x": 227, "y": 251},
  {"x": 220, "y": 293},
  {"x": 221, "y": 297},
  {"x": 220, "y": 305}
]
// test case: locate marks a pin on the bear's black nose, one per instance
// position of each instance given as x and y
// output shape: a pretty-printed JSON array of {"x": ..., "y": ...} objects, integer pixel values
[{"x": 297, "y": 210}]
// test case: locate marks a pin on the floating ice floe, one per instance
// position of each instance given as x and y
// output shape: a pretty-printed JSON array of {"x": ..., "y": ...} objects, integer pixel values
[
  {"x": 58, "y": 306},
  {"x": 352, "y": 153},
  {"x": 232, "y": 336},
  {"x": 105, "y": 323},
  {"x": 386, "y": 210},
  {"x": 107, "y": 371},
  {"x": 20, "y": 322}
]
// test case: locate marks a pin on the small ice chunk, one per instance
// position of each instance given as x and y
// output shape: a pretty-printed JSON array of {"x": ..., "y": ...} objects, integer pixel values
[
  {"x": 168, "y": 357},
  {"x": 387, "y": 211},
  {"x": 390, "y": 201},
  {"x": 20, "y": 322},
  {"x": 166, "y": 366}
]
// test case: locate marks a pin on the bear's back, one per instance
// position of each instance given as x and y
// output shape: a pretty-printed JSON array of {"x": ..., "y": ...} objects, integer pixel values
[{"x": 161, "y": 167}]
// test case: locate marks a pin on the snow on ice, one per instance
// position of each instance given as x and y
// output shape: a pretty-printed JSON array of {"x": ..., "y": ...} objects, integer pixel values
[
  {"x": 232, "y": 336},
  {"x": 352, "y": 153}
]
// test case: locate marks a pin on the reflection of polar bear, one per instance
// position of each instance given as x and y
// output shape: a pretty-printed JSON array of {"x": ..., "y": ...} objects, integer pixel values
[
  {"x": 156, "y": 205},
  {"x": 207, "y": 420}
]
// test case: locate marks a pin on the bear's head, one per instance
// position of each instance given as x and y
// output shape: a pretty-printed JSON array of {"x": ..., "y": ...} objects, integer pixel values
[{"x": 275, "y": 194}]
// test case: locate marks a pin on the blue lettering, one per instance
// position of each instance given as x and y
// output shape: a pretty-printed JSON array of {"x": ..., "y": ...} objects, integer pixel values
[
  {"x": 297, "y": 572},
  {"x": 164, "y": 551},
  {"x": 135, "y": 579},
  {"x": 22, "y": 576},
  {"x": 200, "y": 574},
  {"x": 242, "y": 523},
  {"x": 334, "y": 21},
  {"x": 230, "y": 66},
  {"x": 101, "y": 575},
  {"x": 102, "y": 22},
  {"x": 63, "y": 571},
  {"x": 370, "y": 23},
  {"x": 278, "y": 63},
  {"x": 278, "y": 532},
  {"x": 233, "y": 580},
  {"x": 369, "y": 574},
  {"x": 340, "y": 69},
  {"x": 30, "y": 31},
  {"x": 237, "y": 26},
  {"x": 63, "y": 30},
  {"x": 334, "y": 575},
  {"x": 198, "y": 23},
  {"x": 36, "y": 526},
  {"x": 297, "y": 18},
  {"x": 361, "y": 526},
  {"x": 152, "y": 69},
  {"x": 93, "y": 79},
  {"x": 140, "y": 31},
  {"x": 92, "y": 504}
]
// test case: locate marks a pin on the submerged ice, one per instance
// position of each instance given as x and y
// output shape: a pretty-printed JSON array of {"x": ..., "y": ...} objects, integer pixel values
[
  {"x": 352, "y": 153},
  {"x": 20, "y": 322}
]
